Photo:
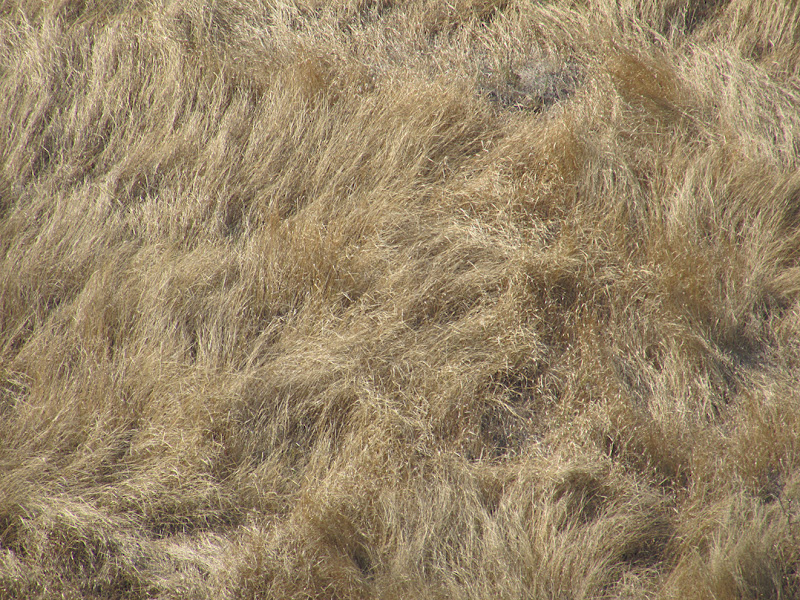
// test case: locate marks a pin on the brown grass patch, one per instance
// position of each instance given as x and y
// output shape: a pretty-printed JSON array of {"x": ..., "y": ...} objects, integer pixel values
[{"x": 366, "y": 299}]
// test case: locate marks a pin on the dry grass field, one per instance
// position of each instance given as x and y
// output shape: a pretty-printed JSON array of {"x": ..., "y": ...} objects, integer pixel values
[{"x": 466, "y": 299}]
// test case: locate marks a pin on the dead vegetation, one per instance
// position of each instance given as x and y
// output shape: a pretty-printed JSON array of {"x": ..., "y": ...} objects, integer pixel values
[{"x": 373, "y": 299}]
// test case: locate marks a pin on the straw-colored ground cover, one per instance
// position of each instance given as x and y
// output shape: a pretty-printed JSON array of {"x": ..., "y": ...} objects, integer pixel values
[{"x": 425, "y": 299}]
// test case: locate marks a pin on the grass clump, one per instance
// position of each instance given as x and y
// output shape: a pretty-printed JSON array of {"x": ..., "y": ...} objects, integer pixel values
[{"x": 399, "y": 299}]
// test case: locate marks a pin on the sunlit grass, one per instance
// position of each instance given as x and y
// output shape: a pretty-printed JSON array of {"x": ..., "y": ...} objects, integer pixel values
[{"x": 411, "y": 299}]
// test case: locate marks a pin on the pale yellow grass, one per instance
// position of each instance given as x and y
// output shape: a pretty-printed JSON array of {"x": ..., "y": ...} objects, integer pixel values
[{"x": 478, "y": 299}]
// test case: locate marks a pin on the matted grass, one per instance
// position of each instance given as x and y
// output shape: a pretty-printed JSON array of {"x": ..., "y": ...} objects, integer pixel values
[{"x": 373, "y": 299}]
